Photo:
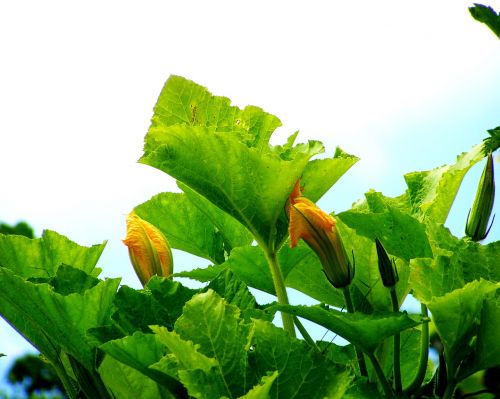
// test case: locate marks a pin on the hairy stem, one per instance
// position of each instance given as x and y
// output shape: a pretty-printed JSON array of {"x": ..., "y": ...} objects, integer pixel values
[
  {"x": 350, "y": 308},
  {"x": 279, "y": 287},
  {"x": 381, "y": 376},
  {"x": 397, "y": 346},
  {"x": 424, "y": 355}
]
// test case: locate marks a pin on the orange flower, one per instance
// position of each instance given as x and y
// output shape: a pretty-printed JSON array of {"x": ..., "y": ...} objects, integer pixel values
[
  {"x": 148, "y": 249},
  {"x": 318, "y": 230}
]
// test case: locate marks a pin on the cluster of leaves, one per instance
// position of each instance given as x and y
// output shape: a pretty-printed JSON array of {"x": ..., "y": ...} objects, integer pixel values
[{"x": 167, "y": 340}]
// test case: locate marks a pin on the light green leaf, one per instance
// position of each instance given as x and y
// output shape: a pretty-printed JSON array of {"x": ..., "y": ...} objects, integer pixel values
[
  {"x": 321, "y": 174},
  {"x": 184, "y": 102},
  {"x": 186, "y": 352},
  {"x": 456, "y": 262},
  {"x": 456, "y": 316},
  {"x": 487, "y": 349},
  {"x": 192, "y": 132},
  {"x": 261, "y": 390},
  {"x": 302, "y": 373},
  {"x": 364, "y": 331},
  {"x": 41, "y": 257},
  {"x": 232, "y": 231},
  {"x": 186, "y": 227},
  {"x": 431, "y": 193},
  {"x": 401, "y": 234},
  {"x": 215, "y": 326},
  {"x": 126, "y": 382}
]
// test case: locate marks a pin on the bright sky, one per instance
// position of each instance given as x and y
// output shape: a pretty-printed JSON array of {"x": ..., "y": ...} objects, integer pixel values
[{"x": 404, "y": 85}]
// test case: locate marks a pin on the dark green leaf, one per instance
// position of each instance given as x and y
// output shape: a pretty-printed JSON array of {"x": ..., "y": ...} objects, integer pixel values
[
  {"x": 364, "y": 331},
  {"x": 488, "y": 16}
]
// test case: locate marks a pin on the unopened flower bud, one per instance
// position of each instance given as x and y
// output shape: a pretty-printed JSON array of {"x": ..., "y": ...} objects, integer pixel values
[
  {"x": 319, "y": 231},
  {"x": 386, "y": 266},
  {"x": 477, "y": 221},
  {"x": 148, "y": 249}
]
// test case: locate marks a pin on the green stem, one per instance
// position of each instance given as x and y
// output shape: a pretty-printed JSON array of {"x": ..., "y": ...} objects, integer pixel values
[
  {"x": 350, "y": 308},
  {"x": 68, "y": 384},
  {"x": 424, "y": 355},
  {"x": 450, "y": 389},
  {"x": 397, "y": 346},
  {"x": 381, "y": 376},
  {"x": 279, "y": 287},
  {"x": 305, "y": 334}
]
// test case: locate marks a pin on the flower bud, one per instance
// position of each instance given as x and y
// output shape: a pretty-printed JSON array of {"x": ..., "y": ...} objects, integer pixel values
[
  {"x": 319, "y": 231},
  {"x": 148, "y": 249},
  {"x": 478, "y": 218},
  {"x": 386, "y": 266}
]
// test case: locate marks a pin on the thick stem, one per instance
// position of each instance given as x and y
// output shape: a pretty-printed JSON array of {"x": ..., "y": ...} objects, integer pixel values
[
  {"x": 350, "y": 308},
  {"x": 424, "y": 355},
  {"x": 381, "y": 376},
  {"x": 279, "y": 287},
  {"x": 397, "y": 346}
]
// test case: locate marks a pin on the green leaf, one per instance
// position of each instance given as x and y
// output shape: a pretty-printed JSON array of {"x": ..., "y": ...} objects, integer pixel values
[
  {"x": 21, "y": 228},
  {"x": 126, "y": 382},
  {"x": 186, "y": 227},
  {"x": 401, "y": 234},
  {"x": 487, "y": 16},
  {"x": 215, "y": 326},
  {"x": 492, "y": 143},
  {"x": 186, "y": 352},
  {"x": 302, "y": 373},
  {"x": 487, "y": 353},
  {"x": 364, "y": 331},
  {"x": 140, "y": 351},
  {"x": 261, "y": 390},
  {"x": 431, "y": 193},
  {"x": 456, "y": 316},
  {"x": 321, "y": 174},
  {"x": 232, "y": 231},
  {"x": 192, "y": 132},
  {"x": 41, "y": 257},
  {"x": 457, "y": 262},
  {"x": 69, "y": 280},
  {"x": 54, "y": 322},
  {"x": 184, "y": 102}
]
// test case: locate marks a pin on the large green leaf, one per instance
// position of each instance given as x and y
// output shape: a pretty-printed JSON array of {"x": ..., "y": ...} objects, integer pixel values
[
  {"x": 187, "y": 103},
  {"x": 140, "y": 351},
  {"x": 431, "y": 193},
  {"x": 457, "y": 262},
  {"x": 41, "y": 257},
  {"x": 456, "y": 316},
  {"x": 223, "y": 154},
  {"x": 364, "y": 331},
  {"x": 61, "y": 321},
  {"x": 126, "y": 382},
  {"x": 214, "y": 325},
  {"x": 302, "y": 372},
  {"x": 187, "y": 227},
  {"x": 401, "y": 234},
  {"x": 233, "y": 232}
]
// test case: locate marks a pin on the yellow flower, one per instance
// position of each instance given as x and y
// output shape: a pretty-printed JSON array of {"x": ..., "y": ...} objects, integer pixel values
[
  {"x": 148, "y": 249},
  {"x": 319, "y": 231}
]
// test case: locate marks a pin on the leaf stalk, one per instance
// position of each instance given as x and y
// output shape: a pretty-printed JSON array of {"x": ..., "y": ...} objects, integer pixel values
[
  {"x": 397, "y": 345},
  {"x": 350, "y": 308}
]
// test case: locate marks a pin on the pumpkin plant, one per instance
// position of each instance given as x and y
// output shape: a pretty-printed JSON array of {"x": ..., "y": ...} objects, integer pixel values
[{"x": 249, "y": 208}]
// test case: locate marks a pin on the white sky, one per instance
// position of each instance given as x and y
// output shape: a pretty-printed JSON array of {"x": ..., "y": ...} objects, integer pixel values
[{"x": 78, "y": 81}]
